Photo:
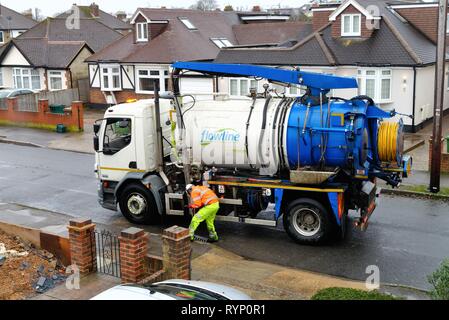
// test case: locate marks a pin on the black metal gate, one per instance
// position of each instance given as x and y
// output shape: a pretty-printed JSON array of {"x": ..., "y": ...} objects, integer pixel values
[{"x": 107, "y": 253}]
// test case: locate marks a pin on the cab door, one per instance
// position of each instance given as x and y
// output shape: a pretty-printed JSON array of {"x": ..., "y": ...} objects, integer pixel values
[{"x": 117, "y": 154}]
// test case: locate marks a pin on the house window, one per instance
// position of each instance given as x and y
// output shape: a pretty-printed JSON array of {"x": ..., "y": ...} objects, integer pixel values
[
  {"x": 55, "y": 80},
  {"x": 147, "y": 79},
  {"x": 142, "y": 31},
  {"x": 26, "y": 78},
  {"x": 221, "y": 42},
  {"x": 111, "y": 78},
  {"x": 2, "y": 37},
  {"x": 241, "y": 87},
  {"x": 187, "y": 23},
  {"x": 375, "y": 83},
  {"x": 351, "y": 25}
]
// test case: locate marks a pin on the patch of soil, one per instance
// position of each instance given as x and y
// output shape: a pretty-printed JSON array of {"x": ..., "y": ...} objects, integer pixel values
[{"x": 19, "y": 275}]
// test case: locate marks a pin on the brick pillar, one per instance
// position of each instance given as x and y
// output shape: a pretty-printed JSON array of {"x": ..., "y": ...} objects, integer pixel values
[
  {"x": 42, "y": 105},
  {"x": 11, "y": 103},
  {"x": 82, "y": 244},
  {"x": 78, "y": 114},
  {"x": 133, "y": 250},
  {"x": 176, "y": 250}
]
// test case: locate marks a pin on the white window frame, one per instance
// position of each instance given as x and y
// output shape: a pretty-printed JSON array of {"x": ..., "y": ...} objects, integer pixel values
[
  {"x": 142, "y": 31},
  {"x": 239, "y": 86},
  {"x": 2, "y": 37},
  {"x": 164, "y": 74},
  {"x": 377, "y": 77},
  {"x": 110, "y": 74},
  {"x": 189, "y": 25},
  {"x": 222, "y": 42},
  {"x": 26, "y": 76},
  {"x": 55, "y": 74},
  {"x": 351, "y": 32}
]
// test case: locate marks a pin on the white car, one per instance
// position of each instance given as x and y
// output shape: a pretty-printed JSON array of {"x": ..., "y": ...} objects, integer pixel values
[{"x": 172, "y": 290}]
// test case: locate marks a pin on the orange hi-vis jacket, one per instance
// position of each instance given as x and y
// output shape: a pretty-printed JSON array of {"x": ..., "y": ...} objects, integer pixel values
[{"x": 202, "y": 196}]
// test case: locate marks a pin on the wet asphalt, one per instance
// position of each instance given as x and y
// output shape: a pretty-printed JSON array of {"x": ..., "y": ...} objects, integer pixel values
[{"x": 407, "y": 238}]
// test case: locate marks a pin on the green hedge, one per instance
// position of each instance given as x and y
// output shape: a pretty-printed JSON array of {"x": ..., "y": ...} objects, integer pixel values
[{"x": 350, "y": 294}]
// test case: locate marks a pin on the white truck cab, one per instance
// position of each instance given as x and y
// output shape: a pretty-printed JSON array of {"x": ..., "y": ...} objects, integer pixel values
[{"x": 126, "y": 146}]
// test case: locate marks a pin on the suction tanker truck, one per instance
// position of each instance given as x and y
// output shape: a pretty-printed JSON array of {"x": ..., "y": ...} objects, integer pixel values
[{"x": 314, "y": 157}]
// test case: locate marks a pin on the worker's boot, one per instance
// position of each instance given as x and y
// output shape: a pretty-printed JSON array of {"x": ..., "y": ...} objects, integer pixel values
[{"x": 213, "y": 237}]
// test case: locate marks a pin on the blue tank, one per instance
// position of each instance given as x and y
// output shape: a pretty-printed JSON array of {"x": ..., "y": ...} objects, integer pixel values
[{"x": 331, "y": 136}]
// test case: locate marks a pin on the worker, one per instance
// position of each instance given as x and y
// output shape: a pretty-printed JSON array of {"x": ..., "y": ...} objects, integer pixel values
[{"x": 204, "y": 198}]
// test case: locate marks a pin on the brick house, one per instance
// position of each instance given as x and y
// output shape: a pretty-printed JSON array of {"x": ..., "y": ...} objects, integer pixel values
[
  {"x": 130, "y": 67},
  {"x": 51, "y": 56},
  {"x": 13, "y": 24},
  {"x": 389, "y": 48}
]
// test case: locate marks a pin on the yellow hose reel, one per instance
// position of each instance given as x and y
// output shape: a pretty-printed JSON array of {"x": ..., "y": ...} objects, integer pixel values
[{"x": 390, "y": 142}]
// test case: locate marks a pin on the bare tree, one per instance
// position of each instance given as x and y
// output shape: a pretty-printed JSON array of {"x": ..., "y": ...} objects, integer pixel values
[{"x": 205, "y": 5}]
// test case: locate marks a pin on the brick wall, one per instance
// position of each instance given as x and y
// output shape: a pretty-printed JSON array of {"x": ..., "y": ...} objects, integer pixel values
[
  {"x": 97, "y": 96},
  {"x": 336, "y": 25},
  {"x": 424, "y": 19},
  {"x": 43, "y": 118},
  {"x": 320, "y": 19}
]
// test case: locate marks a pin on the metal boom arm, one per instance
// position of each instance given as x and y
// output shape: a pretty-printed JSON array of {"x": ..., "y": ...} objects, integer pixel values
[{"x": 317, "y": 81}]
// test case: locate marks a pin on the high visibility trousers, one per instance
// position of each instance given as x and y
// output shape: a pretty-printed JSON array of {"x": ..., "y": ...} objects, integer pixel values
[{"x": 207, "y": 214}]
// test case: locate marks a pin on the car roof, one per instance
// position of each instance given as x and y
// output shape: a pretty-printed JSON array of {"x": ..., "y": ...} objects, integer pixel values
[
  {"x": 130, "y": 292},
  {"x": 225, "y": 291}
]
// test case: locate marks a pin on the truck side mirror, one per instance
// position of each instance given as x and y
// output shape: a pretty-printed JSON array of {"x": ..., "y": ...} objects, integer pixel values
[
  {"x": 96, "y": 143},
  {"x": 97, "y": 127}
]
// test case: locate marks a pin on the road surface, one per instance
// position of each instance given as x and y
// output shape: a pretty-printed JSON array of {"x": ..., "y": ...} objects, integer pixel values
[{"x": 407, "y": 238}]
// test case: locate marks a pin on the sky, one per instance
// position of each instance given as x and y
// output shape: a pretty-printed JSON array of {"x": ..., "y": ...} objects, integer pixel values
[{"x": 50, "y": 7}]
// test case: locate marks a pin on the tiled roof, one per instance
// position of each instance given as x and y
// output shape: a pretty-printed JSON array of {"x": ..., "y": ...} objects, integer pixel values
[
  {"x": 178, "y": 43},
  {"x": 12, "y": 20},
  {"x": 269, "y": 33},
  {"x": 45, "y": 53},
  {"x": 108, "y": 19},
  {"x": 395, "y": 43},
  {"x": 95, "y": 34}
]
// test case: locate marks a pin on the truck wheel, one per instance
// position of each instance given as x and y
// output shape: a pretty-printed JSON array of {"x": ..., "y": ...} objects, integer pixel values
[
  {"x": 307, "y": 222},
  {"x": 138, "y": 206}
]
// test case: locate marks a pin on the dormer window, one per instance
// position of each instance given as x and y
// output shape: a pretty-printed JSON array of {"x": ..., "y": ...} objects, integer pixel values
[
  {"x": 142, "y": 31},
  {"x": 351, "y": 25},
  {"x": 221, "y": 42},
  {"x": 187, "y": 23}
]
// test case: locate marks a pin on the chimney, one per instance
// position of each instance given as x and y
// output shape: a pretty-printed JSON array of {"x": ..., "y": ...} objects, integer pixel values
[
  {"x": 321, "y": 18},
  {"x": 28, "y": 13},
  {"x": 94, "y": 10},
  {"x": 121, "y": 15}
]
